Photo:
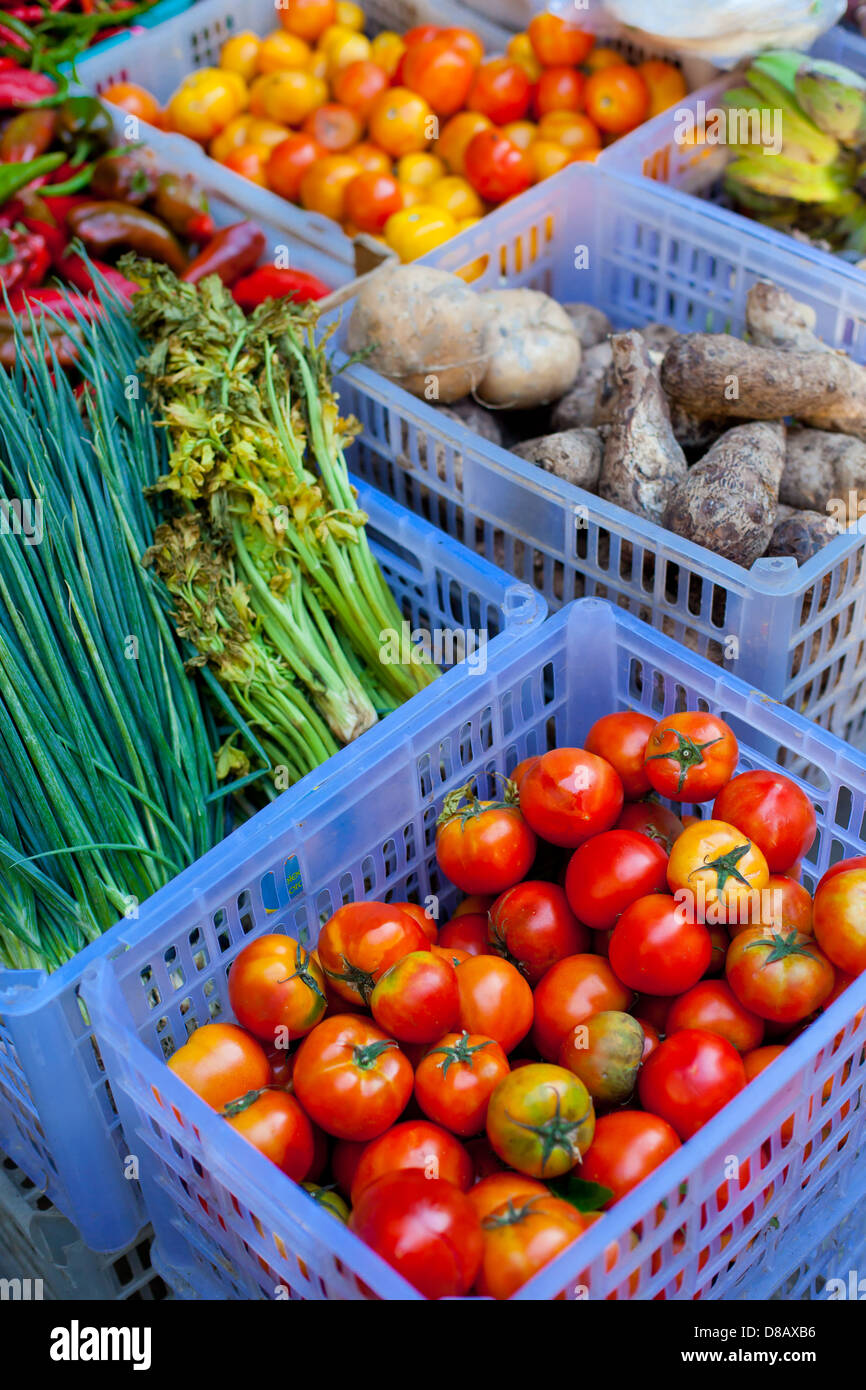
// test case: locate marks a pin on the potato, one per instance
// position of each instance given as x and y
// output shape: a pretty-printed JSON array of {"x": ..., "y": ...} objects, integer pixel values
[
  {"x": 426, "y": 329},
  {"x": 573, "y": 455},
  {"x": 534, "y": 351}
]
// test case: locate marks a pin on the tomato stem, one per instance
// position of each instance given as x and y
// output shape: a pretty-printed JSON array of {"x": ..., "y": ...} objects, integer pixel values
[
  {"x": 687, "y": 754},
  {"x": 780, "y": 947},
  {"x": 359, "y": 980},
  {"x": 459, "y": 1052},
  {"x": 555, "y": 1133},
  {"x": 726, "y": 866},
  {"x": 367, "y": 1056},
  {"x": 453, "y": 805}
]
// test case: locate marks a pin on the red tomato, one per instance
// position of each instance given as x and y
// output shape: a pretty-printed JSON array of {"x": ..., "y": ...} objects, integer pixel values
[
  {"x": 371, "y": 198},
  {"x": 496, "y": 167},
  {"x": 335, "y": 127},
  {"x": 351, "y": 1078},
  {"x": 773, "y": 812},
  {"x": 282, "y": 1064},
  {"x": 653, "y": 819},
  {"x": 467, "y": 933},
  {"x": 521, "y": 770},
  {"x": 440, "y": 73},
  {"x": 500, "y": 90},
  {"x": 345, "y": 1157},
  {"x": 569, "y": 993},
  {"x": 555, "y": 40},
  {"x": 689, "y": 1078},
  {"x": 493, "y": 1191},
  {"x": 450, "y": 953},
  {"x": 427, "y": 924},
  {"x": 621, "y": 739},
  {"x": 719, "y": 941},
  {"x": 358, "y": 84},
  {"x": 421, "y": 33},
  {"x": 839, "y": 919},
  {"x": 276, "y": 989},
  {"x": 416, "y": 1001},
  {"x": 784, "y": 904},
  {"x": 426, "y": 1228},
  {"x": 464, "y": 41},
  {"x": 533, "y": 926},
  {"x": 361, "y": 941},
  {"x": 569, "y": 795},
  {"x": 418, "y": 1145},
  {"x": 559, "y": 89},
  {"x": 455, "y": 1080},
  {"x": 690, "y": 756},
  {"x": 858, "y": 862},
  {"x": 609, "y": 872},
  {"x": 521, "y": 1237},
  {"x": 475, "y": 903},
  {"x": 781, "y": 976},
  {"x": 651, "y": 1038},
  {"x": 654, "y": 950},
  {"x": 288, "y": 163},
  {"x": 712, "y": 1006},
  {"x": 627, "y": 1147},
  {"x": 483, "y": 846},
  {"x": 220, "y": 1062},
  {"x": 617, "y": 98},
  {"x": 654, "y": 1009},
  {"x": 274, "y": 1123},
  {"x": 495, "y": 1000}
]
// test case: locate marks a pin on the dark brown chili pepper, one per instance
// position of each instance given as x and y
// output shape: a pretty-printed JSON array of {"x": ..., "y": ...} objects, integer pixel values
[
  {"x": 125, "y": 178},
  {"x": 104, "y": 226},
  {"x": 230, "y": 254},
  {"x": 180, "y": 202},
  {"x": 27, "y": 135}
]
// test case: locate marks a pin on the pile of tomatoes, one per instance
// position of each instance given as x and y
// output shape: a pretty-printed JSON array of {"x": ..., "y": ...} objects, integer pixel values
[
  {"x": 472, "y": 1097},
  {"x": 408, "y": 138}
]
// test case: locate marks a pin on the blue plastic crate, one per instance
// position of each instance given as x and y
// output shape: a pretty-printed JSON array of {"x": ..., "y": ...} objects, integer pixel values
[
  {"x": 641, "y": 253},
  {"x": 57, "y": 1117},
  {"x": 230, "y": 1225},
  {"x": 158, "y": 14}
]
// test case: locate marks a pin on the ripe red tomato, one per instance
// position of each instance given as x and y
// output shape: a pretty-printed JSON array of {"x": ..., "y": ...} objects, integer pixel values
[
  {"x": 689, "y": 1078},
  {"x": 555, "y": 40},
  {"x": 450, "y": 953},
  {"x": 483, "y": 846},
  {"x": 653, "y": 1009},
  {"x": 568, "y": 993},
  {"x": 521, "y": 1237},
  {"x": 274, "y": 985},
  {"x": 570, "y": 794},
  {"x": 712, "y": 1006},
  {"x": 466, "y": 933},
  {"x": 440, "y": 73},
  {"x": 559, "y": 89},
  {"x": 427, "y": 924},
  {"x": 621, "y": 739},
  {"x": 533, "y": 926},
  {"x": 496, "y": 167},
  {"x": 414, "y": 1145},
  {"x": 773, "y": 812},
  {"x": 500, "y": 90},
  {"x": 653, "y": 819},
  {"x": 627, "y": 1147},
  {"x": 655, "y": 950},
  {"x": 361, "y": 941},
  {"x": 858, "y": 862},
  {"x": 495, "y": 1000},
  {"x": 497, "y": 1189},
  {"x": 475, "y": 903},
  {"x": 288, "y": 163},
  {"x": 220, "y": 1062},
  {"x": 274, "y": 1123},
  {"x": 781, "y": 976},
  {"x": 541, "y": 1120},
  {"x": 522, "y": 768},
  {"x": 426, "y": 1228},
  {"x": 609, "y": 872},
  {"x": 617, "y": 98},
  {"x": 464, "y": 41},
  {"x": 417, "y": 1000},
  {"x": 839, "y": 919},
  {"x": 351, "y": 1078},
  {"x": 784, "y": 904},
  {"x": 691, "y": 756},
  {"x": 456, "y": 1078},
  {"x": 371, "y": 198}
]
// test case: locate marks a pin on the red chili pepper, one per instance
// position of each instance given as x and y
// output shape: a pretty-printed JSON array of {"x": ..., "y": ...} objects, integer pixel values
[
  {"x": 76, "y": 270},
  {"x": 14, "y": 41},
  {"x": 270, "y": 283},
  {"x": 20, "y": 88},
  {"x": 64, "y": 302},
  {"x": 230, "y": 254},
  {"x": 24, "y": 259},
  {"x": 59, "y": 205},
  {"x": 200, "y": 229},
  {"x": 55, "y": 238}
]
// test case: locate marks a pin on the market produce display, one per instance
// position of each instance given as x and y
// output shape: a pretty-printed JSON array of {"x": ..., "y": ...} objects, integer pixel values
[
  {"x": 408, "y": 137},
  {"x": 647, "y": 419},
  {"x": 478, "y": 1108}
]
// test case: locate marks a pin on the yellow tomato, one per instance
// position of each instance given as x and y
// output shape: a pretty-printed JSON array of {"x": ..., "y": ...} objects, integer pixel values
[
  {"x": 238, "y": 132},
  {"x": 268, "y": 133},
  {"x": 342, "y": 47},
  {"x": 601, "y": 58},
  {"x": 713, "y": 864},
  {"x": 466, "y": 222},
  {"x": 240, "y": 54},
  {"x": 400, "y": 122},
  {"x": 520, "y": 49},
  {"x": 412, "y": 194},
  {"x": 521, "y": 133},
  {"x": 456, "y": 195},
  {"x": 350, "y": 15},
  {"x": 318, "y": 64},
  {"x": 238, "y": 86},
  {"x": 204, "y": 104},
  {"x": 548, "y": 158},
  {"x": 258, "y": 87},
  {"x": 387, "y": 49},
  {"x": 455, "y": 136},
  {"x": 281, "y": 50},
  {"x": 250, "y": 161},
  {"x": 324, "y": 185},
  {"x": 420, "y": 169},
  {"x": 415, "y": 231},
  {"x": 291, "y": 96}
]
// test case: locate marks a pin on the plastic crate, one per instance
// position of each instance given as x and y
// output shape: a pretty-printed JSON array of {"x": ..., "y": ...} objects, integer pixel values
[
  {"x": 825, "y": 1273},
  {"x": 649, "y": 255},
  {"x": 231, "y": 1226},
  {"x": 842, "y": 44},
  {"x": 164, "y": 10},
  {"x": 160, "y": 61},
  {"x": 57, "y": 1117},
  {"x": 44, "y": 1251}
]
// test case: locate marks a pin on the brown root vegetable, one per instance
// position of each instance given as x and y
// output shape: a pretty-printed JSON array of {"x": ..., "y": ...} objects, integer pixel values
[
  {"x": 532, "y": 348},
  {"x": 775, "y": 319},
  {"x": 693, "y": 435},
  {"x": 426, "y": 330},
  {"x": 801, "y": 533},
  {"x": 577, "y": 408},
  {"x": 573, "y": 455},
  {"x": 642, "y": 459},
  {"x": 729, "y": 499},
  {"x": 824, "y": 470},
  {"x": 658, "y": 336},
  {"x": 591, "y": 325}
]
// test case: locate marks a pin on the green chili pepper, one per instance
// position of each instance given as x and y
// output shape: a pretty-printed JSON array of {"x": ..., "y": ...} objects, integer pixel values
[{"x": 14, "y": 177}]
